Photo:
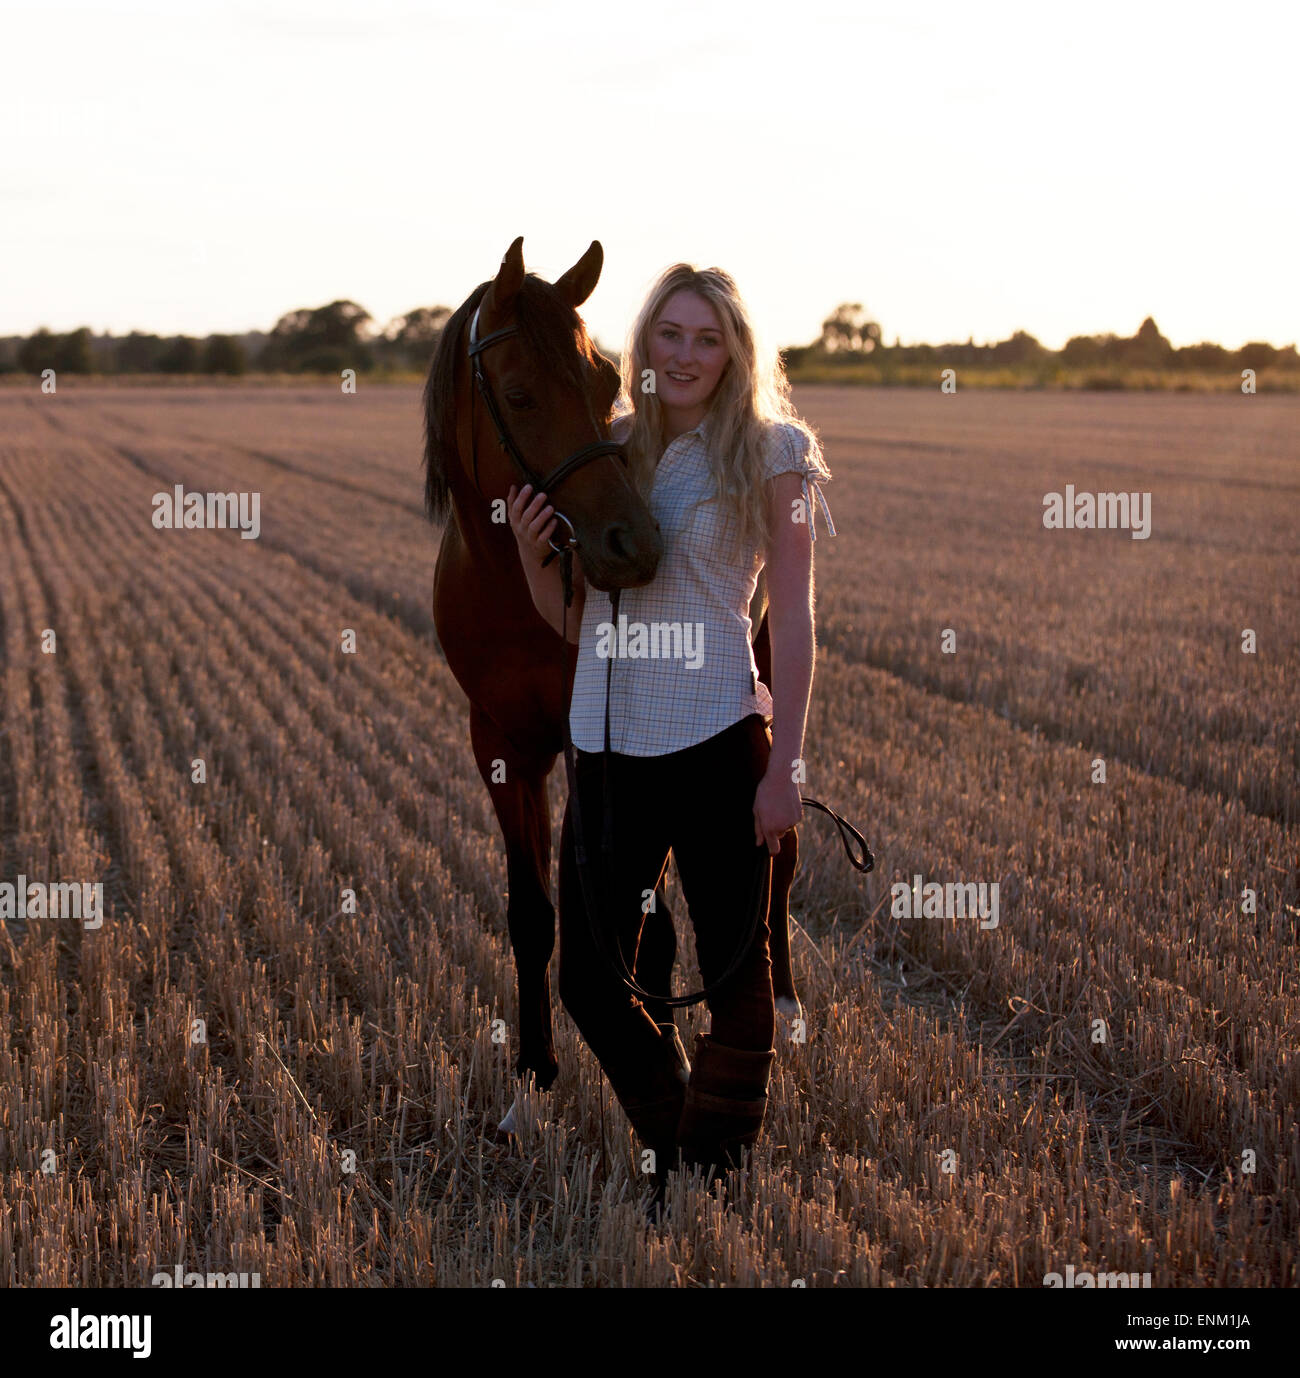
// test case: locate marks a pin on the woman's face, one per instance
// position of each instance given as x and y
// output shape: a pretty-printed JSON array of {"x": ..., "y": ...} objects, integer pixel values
[{"x": 687, "y": 352}]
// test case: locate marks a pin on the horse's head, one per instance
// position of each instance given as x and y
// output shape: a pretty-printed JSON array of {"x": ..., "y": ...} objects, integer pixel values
[{"x": 552, "y": 393}]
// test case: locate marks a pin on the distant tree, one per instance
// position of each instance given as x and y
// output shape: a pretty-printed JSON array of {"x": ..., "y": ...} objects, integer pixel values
[
  {"x": 138, "y": 353},
  {"x": 1148, "y": 348},
  {"x": 1082, "y": 351},
  {"x": 224, "y": 354},
  {"x": 1206, "y": 356},
  {"x": 72, "y": 353},
  {"x": 181, "y": 355},
  {"x": 324, "y": 340},
  {"x": 411, "y": 340},
  {"x": 1256, "y": 354},
  {"x": 1021, "y": 348},
  {"x": 275, "y": 352},
  {"x": 283, "y": 338},
  {"x": 103, "y": 353},
  {"x": 848, "y": 329},
  {"x": 38, "y": 351}
]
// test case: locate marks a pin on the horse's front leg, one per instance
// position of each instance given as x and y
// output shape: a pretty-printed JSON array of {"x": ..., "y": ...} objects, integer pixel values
[{"x": 518, "y": 787}]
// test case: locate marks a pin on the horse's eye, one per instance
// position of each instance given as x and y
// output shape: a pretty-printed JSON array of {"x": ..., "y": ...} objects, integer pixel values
[{"x": 520, "y": 401}]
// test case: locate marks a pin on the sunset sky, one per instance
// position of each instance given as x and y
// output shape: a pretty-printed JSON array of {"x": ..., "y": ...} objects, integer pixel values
[{"x": 960, "y": 169}]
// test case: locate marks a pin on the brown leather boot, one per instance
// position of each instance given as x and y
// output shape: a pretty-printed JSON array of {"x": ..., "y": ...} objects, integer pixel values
[{"x": 724, "y": 1106}]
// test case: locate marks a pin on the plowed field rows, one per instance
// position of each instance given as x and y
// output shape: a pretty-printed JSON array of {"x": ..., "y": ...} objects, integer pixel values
[{"x": 1109, "y": 1078}]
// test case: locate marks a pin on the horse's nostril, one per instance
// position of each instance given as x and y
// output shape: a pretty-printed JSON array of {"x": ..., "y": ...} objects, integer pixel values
[{"x": 616, "y": 542}]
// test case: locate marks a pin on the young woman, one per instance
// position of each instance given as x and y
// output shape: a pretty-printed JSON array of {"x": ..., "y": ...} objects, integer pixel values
[{"x": 724, "y": 464}]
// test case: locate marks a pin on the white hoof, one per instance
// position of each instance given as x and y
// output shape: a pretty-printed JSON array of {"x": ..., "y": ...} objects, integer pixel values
[
  {"x": 789, "y": 1007},
  {"x": 511, "y": 1122}
]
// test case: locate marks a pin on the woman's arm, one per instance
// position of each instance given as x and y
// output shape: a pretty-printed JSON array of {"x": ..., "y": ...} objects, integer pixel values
[
  {"x": 790, "y": 613},
  {"x": 533, "y": 522}
]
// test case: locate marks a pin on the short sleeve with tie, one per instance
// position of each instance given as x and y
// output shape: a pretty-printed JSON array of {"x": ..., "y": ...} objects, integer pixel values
[{"x": 790, "y": 453}]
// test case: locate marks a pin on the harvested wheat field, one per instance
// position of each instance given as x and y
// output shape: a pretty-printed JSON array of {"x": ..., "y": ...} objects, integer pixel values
[{"x": 235, "y": 1071}]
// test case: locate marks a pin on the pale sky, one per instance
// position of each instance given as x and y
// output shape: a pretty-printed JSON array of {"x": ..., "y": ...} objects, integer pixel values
[{"x": 961, "y": 169}]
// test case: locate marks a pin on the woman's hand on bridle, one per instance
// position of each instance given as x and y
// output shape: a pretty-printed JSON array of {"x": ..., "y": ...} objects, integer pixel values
[
  {"x": 532, "y": 520},
  {"x": 777, "y": 808}
]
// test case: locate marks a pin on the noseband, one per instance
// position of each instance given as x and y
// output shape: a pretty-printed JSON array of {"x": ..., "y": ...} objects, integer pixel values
[{"x": 598, "y": 449}]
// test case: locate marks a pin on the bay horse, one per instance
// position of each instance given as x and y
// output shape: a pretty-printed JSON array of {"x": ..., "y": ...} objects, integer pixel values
[{"x": 554, "y": 393}]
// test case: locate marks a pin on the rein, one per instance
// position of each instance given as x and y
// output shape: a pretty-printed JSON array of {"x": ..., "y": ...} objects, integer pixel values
[{"x": 598, "y": 450}]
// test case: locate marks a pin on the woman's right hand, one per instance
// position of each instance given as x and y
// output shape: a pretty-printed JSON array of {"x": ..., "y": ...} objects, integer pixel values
[{"x": 532, "y": 520}]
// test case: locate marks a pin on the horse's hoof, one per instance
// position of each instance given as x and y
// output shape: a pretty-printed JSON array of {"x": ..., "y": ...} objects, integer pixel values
[
  {"x": 510, "y": 1125},
  {"x": 789, "y": 1006}
]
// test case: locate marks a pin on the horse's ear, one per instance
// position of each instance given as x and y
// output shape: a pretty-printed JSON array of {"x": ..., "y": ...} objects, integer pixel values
[
  {"x": 580, "y": 281},
  {"x": 505, "y": 287}
]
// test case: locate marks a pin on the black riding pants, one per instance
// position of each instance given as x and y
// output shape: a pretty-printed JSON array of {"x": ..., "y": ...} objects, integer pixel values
[{"x": 698, "y": 802}]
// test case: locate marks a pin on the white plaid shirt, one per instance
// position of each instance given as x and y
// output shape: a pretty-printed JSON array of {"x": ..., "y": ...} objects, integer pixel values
[{"x": 690, "y": 671}]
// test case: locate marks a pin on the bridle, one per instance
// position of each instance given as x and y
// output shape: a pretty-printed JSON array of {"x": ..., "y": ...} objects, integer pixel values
[{"x": 598, "y": 450}]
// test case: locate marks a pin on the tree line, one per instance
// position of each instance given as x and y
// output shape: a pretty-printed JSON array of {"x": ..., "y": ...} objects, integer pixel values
[
  {"x": 850, "y": 336},
  {"x": 327, "y": 339},
  {"x": 323, "y": 339}
]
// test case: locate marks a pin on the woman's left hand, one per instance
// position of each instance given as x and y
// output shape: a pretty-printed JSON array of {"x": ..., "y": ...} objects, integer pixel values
[{"x": 777, "y": 808}]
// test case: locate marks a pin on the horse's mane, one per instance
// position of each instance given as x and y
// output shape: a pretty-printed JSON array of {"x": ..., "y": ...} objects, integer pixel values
[{"x": 549, "y": 327}]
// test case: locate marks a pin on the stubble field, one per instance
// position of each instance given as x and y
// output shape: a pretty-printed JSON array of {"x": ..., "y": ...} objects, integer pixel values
[{"x": 1108, "y": 1079}]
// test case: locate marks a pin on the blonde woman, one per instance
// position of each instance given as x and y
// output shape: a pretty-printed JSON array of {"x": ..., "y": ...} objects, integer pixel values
[{"x": 725, "y": 466}]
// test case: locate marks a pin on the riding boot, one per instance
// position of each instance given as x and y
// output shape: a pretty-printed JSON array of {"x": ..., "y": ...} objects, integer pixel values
[
  {"x": 725, "y": 1101},
  {"x": 655, "y": 1113},
  {"x": 655, "y": 1107}
]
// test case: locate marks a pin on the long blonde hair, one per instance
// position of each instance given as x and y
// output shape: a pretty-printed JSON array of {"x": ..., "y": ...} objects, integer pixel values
[{"x": 746, "y": 413}]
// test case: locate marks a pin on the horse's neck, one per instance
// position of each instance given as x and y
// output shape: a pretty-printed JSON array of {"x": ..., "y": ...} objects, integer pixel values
[
  {"x": 485, "y": 551},
  {"x": 485, "y": 539}
]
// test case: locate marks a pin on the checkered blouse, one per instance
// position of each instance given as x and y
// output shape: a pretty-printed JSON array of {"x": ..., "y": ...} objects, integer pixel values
[{"x": 684, "y": 664}]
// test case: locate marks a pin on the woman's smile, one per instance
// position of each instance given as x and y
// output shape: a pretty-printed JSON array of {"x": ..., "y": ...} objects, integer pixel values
[{"x": 688, "y": 356}]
